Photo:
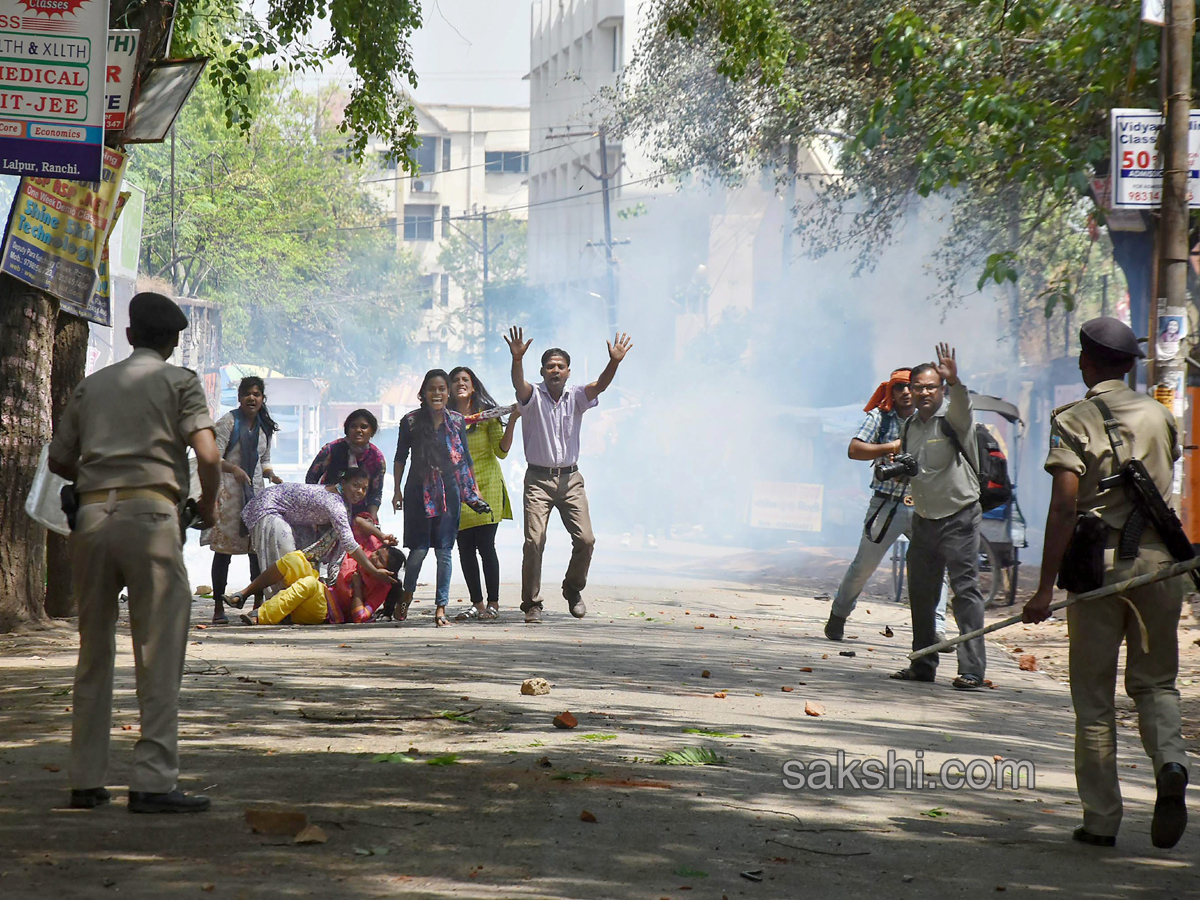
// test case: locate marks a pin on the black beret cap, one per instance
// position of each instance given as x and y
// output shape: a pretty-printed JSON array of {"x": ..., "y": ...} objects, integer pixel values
[
  {"x": 1111, "y": 337},
  {"x": 149, "y": 311}
]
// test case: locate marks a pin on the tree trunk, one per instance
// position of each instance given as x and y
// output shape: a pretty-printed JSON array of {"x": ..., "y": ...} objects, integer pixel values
[
  {"x": 27, "y": 320},
  {"x": 67, "y": 370}
]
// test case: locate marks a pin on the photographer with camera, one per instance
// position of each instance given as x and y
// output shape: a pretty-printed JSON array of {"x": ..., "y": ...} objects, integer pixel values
[
  {"x": 889, "y": 513},
  {"x": 947, "y": 516}
]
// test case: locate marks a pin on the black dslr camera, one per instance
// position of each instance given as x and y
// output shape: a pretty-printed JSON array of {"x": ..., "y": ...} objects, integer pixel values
[{"x": 903, "y": 465}]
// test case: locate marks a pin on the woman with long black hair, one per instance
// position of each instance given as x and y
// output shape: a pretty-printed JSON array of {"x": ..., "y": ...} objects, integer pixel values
[
  {"x": 354, "y": 451},
  {"x": 440, "y": 481},
  {"x": 244, "y": 441},
  {"x": 488, "y": 441}
]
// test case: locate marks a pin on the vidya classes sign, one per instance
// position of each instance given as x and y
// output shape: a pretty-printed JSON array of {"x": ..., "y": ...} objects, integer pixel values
[
  {"x": 52, "y": 87},
  {"x": 1137, "y": 164}
]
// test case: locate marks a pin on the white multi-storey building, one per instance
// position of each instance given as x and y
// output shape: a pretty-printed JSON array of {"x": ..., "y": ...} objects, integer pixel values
[{"x": 472, "y": 159}]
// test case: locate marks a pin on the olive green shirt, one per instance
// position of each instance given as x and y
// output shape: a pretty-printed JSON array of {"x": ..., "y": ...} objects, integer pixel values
[
  {"x": 1079, "y": 444},
  {"x": 130, "y": 424},
  {"x": 946, "y": 483}
]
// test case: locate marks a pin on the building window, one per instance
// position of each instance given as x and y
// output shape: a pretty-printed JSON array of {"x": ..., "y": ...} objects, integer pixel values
[
  {"x": 445, "y": 290},
  {"x": 418, "y": 222},
  {"x": 445, "y": 154},
  {"x": 515, "y": 162},
  {"x": 427, "y": 289},
  {"x": 427, "y": 155},
  {"x": 616, "y": 48},
  {"x": 445, "y": 221}
]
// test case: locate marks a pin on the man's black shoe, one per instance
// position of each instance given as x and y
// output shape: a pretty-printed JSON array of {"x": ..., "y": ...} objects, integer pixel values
[
  {"x": 575, "y": 602},
  {"x": 1170, "y": 811},
  {"x": 1084, "y": 836},
  {"x": 175, "y": 801},
  {"x": 89, "y": 798},
  {"x": 835, "y": 628}
]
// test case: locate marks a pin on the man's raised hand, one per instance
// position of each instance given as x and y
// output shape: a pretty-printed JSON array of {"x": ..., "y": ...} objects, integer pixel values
[
  {"x": 517, "y": 344},
  {"x": 618, "y": 347},
  {"x": 947, "y": 365}
]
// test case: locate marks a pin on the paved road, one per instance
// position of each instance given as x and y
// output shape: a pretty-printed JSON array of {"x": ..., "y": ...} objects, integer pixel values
[{"x": 298, "y": 716}]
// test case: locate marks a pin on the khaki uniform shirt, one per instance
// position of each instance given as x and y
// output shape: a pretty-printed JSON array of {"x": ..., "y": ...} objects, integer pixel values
[
  {"x": 946, "y": 483},
  {"x": 1079, "y": 444},
  {"x": 130, "y": 424}
]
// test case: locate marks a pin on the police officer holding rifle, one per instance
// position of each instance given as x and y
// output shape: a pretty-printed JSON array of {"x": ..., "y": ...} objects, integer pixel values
[{"x": 1112, "y": 457}]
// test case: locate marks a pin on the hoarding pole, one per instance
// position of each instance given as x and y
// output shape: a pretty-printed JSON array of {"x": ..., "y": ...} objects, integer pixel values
[{"x": 1173, "y": 247}]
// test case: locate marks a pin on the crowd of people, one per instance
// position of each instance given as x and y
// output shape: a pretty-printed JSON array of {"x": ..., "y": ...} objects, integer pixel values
[{"x": 449, "y": 488}]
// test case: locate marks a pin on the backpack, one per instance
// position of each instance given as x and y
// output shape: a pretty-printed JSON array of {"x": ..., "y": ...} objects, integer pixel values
[{"x": 995, "y": 487}]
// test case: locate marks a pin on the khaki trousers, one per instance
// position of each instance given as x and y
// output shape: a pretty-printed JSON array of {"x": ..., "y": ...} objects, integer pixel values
[
  {"x": 134, "y": 544},
  {"x": 1097, "y": 629},
  {"x": 566, "y": 494}
]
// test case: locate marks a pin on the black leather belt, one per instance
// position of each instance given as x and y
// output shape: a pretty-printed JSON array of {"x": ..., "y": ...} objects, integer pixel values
[{"x": 552, "y": 473}]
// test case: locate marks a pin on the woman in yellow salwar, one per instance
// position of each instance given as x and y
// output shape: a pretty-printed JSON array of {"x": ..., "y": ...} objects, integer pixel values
[{"x": 489, "y": 442}]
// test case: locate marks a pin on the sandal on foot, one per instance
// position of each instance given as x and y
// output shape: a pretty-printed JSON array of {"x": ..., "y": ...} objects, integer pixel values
[
  {"x": 439, "y": 618},
  {"x": 220, "y": 620},
  {"x": 910, "y": 675},
  {"x": 968, "y": 682},
  {"x": 490, "y": 612},
  {"x": 248, "y": 619},
  {"x": 402, "y": 605},
  {"x": 237, "y": 601},
  {"x": 473, "y": 613}
]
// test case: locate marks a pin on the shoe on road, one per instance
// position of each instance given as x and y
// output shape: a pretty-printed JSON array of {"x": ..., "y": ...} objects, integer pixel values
[
  {"x": 835, "y": 628},
  {"x": 533, "y": 615},
  {"x": 175, "y": 801},
  {"x": 575, "y": 602},
  {"x": 1084, "y": 836},
  {"x": 1170, "y": 810},
  {"x": 89, "y": 798}
]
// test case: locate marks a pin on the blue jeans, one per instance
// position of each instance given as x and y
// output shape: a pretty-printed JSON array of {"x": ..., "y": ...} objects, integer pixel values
[
  {"x": 871, "y": 553},
  {"x": 412, "y": 571}
]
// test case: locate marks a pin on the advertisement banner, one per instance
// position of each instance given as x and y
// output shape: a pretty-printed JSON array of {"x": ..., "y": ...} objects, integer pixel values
[
  {"x": 56, "y": 235},
  {"x": 52, "y": 55},
  {"x": 118, "y": 77},
  {"x": 1172, "y": 329},
  {"x": 1136, "y": 166}
]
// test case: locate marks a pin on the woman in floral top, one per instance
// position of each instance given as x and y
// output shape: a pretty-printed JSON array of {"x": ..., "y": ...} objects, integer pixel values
[
  {"x": 488, "y": 441},
  {"x": 440, "y": 481}
]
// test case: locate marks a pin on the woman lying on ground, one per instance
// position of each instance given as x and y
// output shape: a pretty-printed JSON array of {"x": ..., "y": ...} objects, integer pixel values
[
  {"x": 488, "y": 442},
  {"x": 276, "y": 514},
  {"x": 440, "y": 481},
  {"x": 309, "y": 601},
  {"x": 354, "y": 451}
]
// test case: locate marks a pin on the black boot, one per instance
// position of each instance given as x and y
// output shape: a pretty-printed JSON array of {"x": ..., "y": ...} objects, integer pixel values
[
  {"x": 175, "y": 801},
  {"x": 1170, "y": 811},
  {"x": 89, "y": 798},
  {"x": 835, "y": 628}
]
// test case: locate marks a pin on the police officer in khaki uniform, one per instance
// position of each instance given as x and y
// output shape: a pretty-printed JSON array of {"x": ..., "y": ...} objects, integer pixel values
[
  {"x": 123, "y": 440},
  {"x": 1081, "y": 454}
]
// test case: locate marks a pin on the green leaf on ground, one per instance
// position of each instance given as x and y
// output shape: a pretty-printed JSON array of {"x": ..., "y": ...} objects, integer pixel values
[
  {"x": 936, "y": 813},
  {"x": 393, "y": 758},
  {"x": 596, "y": 737},
  {"x": 685, "y": 872},
  {"x": 446, "y": 759},
  {"x": 706, "y": 733},
  {"x": 691, "y": 756},
  {"x": 452, "y": 714}
]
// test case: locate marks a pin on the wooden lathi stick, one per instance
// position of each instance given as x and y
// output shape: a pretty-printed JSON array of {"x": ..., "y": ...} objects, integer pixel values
[{"x": 1174, "y": 571}]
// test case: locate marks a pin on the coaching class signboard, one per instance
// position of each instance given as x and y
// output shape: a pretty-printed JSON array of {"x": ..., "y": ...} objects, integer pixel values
[
  {"x": 56, "y": 237},
  {"x": 52, "y": 87},
  {"x": 1137, "y": 163}
]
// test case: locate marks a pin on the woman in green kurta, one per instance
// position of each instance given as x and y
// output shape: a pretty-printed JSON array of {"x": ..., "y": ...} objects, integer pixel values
[{"x": 489, "y": 442}]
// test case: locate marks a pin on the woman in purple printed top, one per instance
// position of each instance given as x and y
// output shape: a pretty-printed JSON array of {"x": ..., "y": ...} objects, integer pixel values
[
  {"x": 440, "y": 481},
  {"x": 275, "y": 513}
]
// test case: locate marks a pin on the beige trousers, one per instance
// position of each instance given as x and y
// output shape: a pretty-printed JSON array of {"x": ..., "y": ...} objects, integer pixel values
[
  {"x": 566, "y": 494},
  {"x": 1097, "y": 630},
  {"x": 134, "y": 544}
]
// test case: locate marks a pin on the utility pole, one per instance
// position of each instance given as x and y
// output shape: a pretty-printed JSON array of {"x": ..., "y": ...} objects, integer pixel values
[
  {"x": 485, "y": 250},
  {"x": 1176, "y": 76}
]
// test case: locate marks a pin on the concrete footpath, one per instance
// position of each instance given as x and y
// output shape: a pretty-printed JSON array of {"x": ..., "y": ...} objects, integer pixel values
[{"x": 431, "y": 775}]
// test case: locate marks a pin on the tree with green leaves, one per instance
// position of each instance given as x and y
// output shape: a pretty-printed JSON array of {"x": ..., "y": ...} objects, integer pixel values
[
  {"x": 462, "y": 258},
  {"x": 999, "y": 107},
  {"x": 42, "y": 352}
]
